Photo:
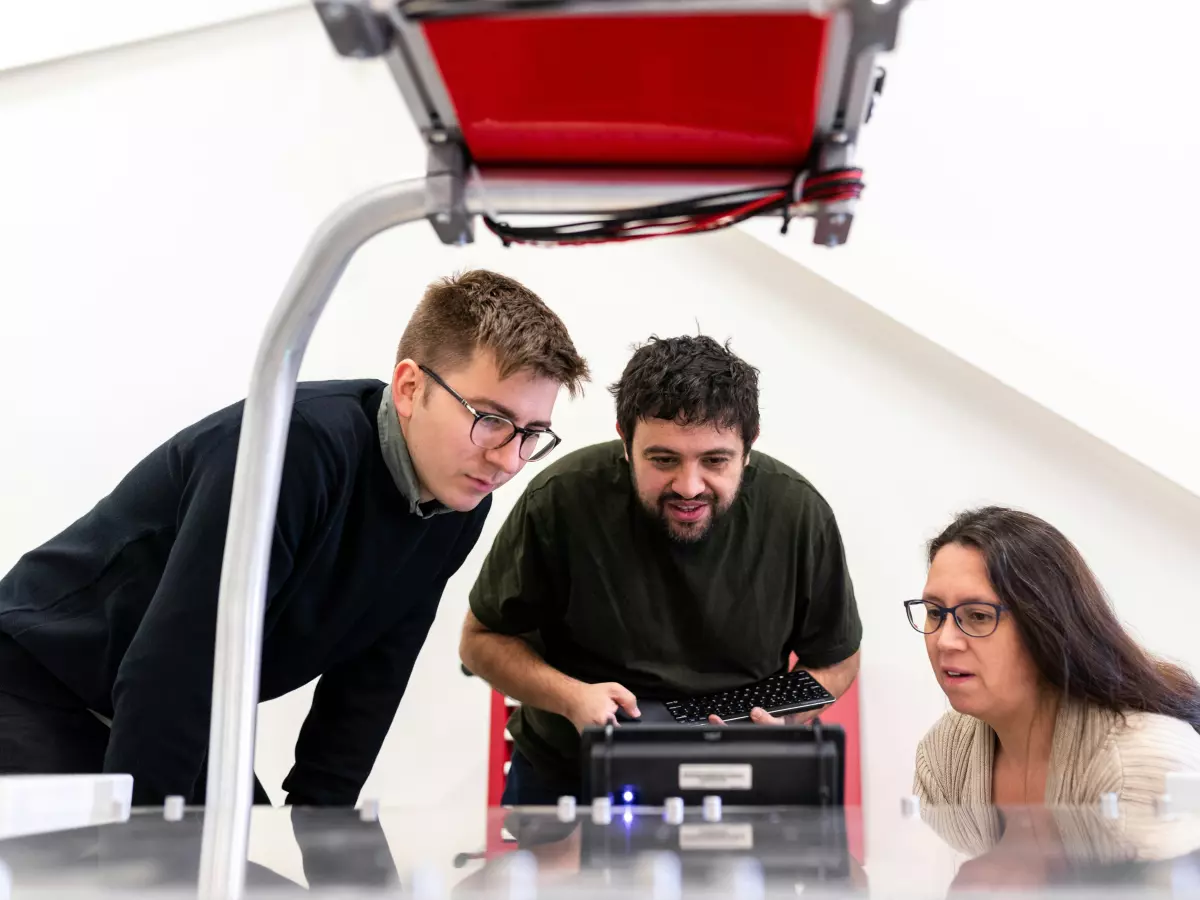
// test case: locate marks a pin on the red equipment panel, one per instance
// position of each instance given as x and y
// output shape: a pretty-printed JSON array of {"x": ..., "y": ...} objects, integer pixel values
[
  {"x": 711, "y": 90},
  {"x": 499, "y": 748}
]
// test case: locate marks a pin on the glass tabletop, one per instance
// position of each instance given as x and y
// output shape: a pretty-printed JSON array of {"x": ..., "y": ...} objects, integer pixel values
[{"x": 652, "y": 852}]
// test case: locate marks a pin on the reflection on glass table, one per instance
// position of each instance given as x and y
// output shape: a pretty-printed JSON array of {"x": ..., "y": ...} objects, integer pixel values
[{"x": 650, "y": 852}]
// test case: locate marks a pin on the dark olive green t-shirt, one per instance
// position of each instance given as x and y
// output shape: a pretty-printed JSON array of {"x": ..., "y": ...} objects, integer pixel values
[{"x": 604, "y": 594}]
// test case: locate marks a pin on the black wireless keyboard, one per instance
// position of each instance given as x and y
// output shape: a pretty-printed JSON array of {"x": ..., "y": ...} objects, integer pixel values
[{"x": 780, "y": 694}]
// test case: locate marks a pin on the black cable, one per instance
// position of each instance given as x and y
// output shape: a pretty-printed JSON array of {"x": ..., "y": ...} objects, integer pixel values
[
  {"x": 675, "y": 209},
  {"x": 608, "y": 753},
  {"x": 681, "y": 214},
  {"x": 824, "y": 790},
  {"x": 693, "y": 215},
  {"x": 834, "y": 184}
]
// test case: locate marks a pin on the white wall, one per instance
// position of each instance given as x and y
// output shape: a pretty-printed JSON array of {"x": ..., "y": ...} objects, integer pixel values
[
  {"x": 1032, "y": 187},
  {"x": 155, "y": 200},
  {"x": 34, "y": 33}
]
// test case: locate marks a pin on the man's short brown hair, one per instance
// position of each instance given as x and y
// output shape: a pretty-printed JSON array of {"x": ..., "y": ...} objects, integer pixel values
[{"x": 482, "y": 310}]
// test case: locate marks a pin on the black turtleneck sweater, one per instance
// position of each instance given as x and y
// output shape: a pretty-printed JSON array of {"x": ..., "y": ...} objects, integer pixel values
[{"x": 121, "y": 606}]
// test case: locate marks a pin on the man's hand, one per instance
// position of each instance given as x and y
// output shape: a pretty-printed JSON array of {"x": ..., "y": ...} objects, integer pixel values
[
  {"x": 597, "y": 704},
  {"x": 760, "y": 716}
]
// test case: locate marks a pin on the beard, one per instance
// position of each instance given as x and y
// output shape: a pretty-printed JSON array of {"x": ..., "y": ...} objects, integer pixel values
[{"x": 685, "y": 532}]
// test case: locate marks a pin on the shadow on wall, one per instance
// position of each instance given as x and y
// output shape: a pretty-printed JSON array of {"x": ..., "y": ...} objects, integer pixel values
[{"x": 942, "y": 373}]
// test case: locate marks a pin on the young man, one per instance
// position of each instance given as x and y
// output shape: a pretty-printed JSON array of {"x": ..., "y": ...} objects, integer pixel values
[
  {"x": 385, "y": 489},
  {"x": 674, "y": 561}
]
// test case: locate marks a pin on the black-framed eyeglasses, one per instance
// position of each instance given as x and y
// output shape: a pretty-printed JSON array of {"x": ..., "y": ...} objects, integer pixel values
[
  {"x": 974, "y": 618},
  {"x": 491, "y": 432}
]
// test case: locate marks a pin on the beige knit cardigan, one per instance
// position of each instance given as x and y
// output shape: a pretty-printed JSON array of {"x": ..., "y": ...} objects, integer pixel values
[{"x": 1094, "y": 752}]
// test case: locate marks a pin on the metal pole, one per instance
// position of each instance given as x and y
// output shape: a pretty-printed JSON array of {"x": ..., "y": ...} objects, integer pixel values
[{"x": 259, "y": 467}]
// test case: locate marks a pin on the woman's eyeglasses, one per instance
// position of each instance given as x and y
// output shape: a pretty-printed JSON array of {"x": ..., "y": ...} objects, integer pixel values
[{"x": 974, "y": 618}]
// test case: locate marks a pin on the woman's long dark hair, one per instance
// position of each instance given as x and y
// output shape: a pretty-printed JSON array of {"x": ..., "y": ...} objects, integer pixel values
[{"x": 1065, "y": 618}]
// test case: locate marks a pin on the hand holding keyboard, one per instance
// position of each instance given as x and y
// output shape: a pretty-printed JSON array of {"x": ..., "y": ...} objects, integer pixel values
[{"x": 779, "y": 695}]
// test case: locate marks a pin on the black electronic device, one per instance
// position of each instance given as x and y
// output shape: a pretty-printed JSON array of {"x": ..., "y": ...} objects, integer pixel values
[
  {"x": 783, "y": 765},
  {"x": 789, "y": 692}
]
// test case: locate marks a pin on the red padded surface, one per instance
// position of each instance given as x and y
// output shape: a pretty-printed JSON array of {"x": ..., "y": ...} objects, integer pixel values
[{"x": 717, "y": 90}]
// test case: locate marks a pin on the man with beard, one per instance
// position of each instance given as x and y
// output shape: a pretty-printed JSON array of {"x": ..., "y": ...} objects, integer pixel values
[{"x": 674, "y": 561}]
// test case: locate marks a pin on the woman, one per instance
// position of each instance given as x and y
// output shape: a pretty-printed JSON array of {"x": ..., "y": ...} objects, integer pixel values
[{"x": 1053, "y": 701}]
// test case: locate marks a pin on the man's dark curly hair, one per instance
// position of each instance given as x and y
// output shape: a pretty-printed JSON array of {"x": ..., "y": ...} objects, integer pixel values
[{"x": 689, "y": 380}]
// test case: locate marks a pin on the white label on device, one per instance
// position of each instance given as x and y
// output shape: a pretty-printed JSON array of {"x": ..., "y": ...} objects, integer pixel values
[
  {"x": 716, "y": 837},
  {"x": 713, "y": 776}
]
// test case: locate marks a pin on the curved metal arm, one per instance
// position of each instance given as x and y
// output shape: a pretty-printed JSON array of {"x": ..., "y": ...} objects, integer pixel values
[{"x": 242, "y": 598}]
